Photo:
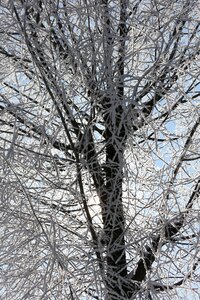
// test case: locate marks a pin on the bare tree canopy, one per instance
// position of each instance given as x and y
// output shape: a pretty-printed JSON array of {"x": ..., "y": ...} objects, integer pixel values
[{"x": 99, "y": 149}]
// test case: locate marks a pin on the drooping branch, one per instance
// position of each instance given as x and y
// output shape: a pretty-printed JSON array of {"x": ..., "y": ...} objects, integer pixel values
[{"x": 170, "y": 228}]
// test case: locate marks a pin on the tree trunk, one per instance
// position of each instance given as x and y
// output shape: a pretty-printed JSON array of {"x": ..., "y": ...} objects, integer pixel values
[{"x": 113, "y": 215}]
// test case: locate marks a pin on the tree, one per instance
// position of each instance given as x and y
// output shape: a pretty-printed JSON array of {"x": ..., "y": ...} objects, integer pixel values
[{"x": 99, "y": 149}]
